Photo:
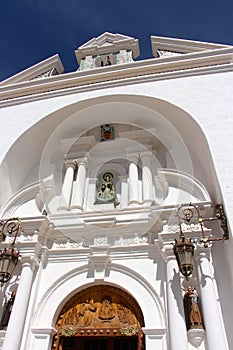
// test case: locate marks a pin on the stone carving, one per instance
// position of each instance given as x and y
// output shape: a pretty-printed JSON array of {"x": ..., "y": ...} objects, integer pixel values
[
  {"x": 66, "y": 245},
  {"x": 47, "y": 74},
  {"x": 166, "y": 53},
  {"x": 191, "y": 308}
]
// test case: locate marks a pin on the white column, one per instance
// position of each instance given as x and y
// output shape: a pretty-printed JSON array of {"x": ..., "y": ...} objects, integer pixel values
[
  {"x": 19, "y": 311},
  {"x": 67, "y": 185},
  {"x": 124, "y": 191},
  {"x": 215, "y": 333},
  {"x": 133, "y": 179},
  {"x": 79, "y": 185},
  {"x": 176, "y": 319},
  {"x": 147, "y": 182}
]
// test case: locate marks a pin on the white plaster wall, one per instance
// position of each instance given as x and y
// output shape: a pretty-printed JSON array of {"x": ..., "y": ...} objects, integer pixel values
[{"x": 208, "y": 99}]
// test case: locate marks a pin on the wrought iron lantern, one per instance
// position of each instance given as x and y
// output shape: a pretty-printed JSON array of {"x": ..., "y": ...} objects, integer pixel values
[
  {"x": 184, "y": 248},
  {"x": 184, "y": 252},
  {"x": 9, "y": 256}
]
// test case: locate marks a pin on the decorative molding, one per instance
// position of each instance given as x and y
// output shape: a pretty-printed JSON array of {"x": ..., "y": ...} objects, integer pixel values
[
  {"x": 50, "y": 64},
  {"x": 155, "y": 333},
  {"x": 185, "y": 182},
  {"x": 107, "y": 43},
  {"x": 182, "y": 46},
  {"x": 63, "y": 279},
  {"x": 196, "y": 337},
  {"x": 22, "y": 196},
  {"x": 142, "y": 71}
]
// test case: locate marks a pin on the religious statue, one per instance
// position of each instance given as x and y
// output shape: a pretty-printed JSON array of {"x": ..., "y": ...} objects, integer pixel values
[
  {"x": 107, "y": 193},
  {"x": 106, "y": 312},
  {"x": 191, "y": 308},
  {"x": 7, "y": 310}
]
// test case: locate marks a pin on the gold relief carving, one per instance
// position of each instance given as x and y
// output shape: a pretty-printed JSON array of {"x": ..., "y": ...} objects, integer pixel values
[
  {"x": 68, "y": 331},
  {"x": 129, "y": 331},
  {"x": 106, "y": 312},
  {"x": 125, "y": 315},
  {"x": 99, "y": 311},
  {"x": 86, "y": 314},
  {"x": 91, "y": 314}
]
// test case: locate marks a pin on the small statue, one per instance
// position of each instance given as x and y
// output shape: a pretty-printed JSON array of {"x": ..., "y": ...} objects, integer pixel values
[
  {"x": 7, "y": 310},
  {"x": 107, "y": 191},
  {"x": 220, "y": 215},
  {"x": 192, "y": 312}
]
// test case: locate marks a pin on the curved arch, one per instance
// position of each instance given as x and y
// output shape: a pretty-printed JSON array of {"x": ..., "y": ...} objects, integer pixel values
[
  {"x": 167, "y": 121},
  {"x": 22, "y": 197},
  {"x": 101, "y": 309},
  {"x": 54, "y": 299}
]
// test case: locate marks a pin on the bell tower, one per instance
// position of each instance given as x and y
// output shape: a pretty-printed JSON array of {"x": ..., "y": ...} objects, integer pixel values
[{"x": 106, "y": 50}]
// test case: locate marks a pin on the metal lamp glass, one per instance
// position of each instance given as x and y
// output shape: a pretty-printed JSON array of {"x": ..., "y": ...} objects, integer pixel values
[
  {"x": 8, "y": 261},
  {"x": 184, "y": 252},
  {"x": 9, "y": 256}
]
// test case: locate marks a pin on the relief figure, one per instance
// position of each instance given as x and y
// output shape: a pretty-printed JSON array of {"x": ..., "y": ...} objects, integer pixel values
[{"x": 86, "y": 313}]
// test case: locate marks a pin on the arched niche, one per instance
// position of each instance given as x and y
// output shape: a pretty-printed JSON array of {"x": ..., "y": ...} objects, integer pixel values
[
  {"x": 44, "y": 158},
  {"x": 104, "y": 313}
]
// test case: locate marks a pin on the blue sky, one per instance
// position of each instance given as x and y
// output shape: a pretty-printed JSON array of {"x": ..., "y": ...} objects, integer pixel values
[{"x": 33, "y": 30}]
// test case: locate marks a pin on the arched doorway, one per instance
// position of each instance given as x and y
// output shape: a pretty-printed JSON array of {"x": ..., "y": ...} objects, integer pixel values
[{"x": 100, "y": 318}]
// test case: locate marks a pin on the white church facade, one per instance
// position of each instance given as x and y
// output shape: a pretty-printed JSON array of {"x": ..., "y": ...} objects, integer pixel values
[{"x": 113, "y": 173}]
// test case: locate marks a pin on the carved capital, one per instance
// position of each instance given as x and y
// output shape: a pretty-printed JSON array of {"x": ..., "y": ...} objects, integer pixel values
[
  {"x": 70, "y": 163},
  {"x": 81, "y": 161},
  {"x": 30, "y": 260}
]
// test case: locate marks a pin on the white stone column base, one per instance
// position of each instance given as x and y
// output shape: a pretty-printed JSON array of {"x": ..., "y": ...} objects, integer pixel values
[
  {"x": 155, "y": 338},
  {"x": 42, "y": 338},
  {"x": 196, "y": 337}
]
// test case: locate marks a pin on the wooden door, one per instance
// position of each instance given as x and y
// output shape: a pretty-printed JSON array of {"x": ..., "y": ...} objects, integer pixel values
[{"x": 91, "y": 343}]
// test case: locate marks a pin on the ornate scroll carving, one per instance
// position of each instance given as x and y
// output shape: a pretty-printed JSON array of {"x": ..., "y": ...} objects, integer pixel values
[{"x": 129, "y": 331}]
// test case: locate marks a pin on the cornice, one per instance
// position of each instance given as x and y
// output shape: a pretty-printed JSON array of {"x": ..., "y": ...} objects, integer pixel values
[
  {"x": 191, "y": 64},
  {"x": 34, "y": 71},
  {"x": 182, "y": 46}
]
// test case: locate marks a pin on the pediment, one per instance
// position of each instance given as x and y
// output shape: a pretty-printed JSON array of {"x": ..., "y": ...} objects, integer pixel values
[
  {"x": 163, "y": 46},
  {"x": 44, "y": 69},
  {"x": 106, "y": 39},
  {"x": 107, "y": 43}
]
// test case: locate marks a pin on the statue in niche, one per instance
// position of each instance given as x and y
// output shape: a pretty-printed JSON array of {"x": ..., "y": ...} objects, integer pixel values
[
  {"x": 86, "y": 313},
  {"x": 191, "y": 308},
  {"x": 107, "y": 193},
  {"x": 7, "y": 311},
  {"x": 106, "y": 62},
  {"x": 106, "y": 312}
]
